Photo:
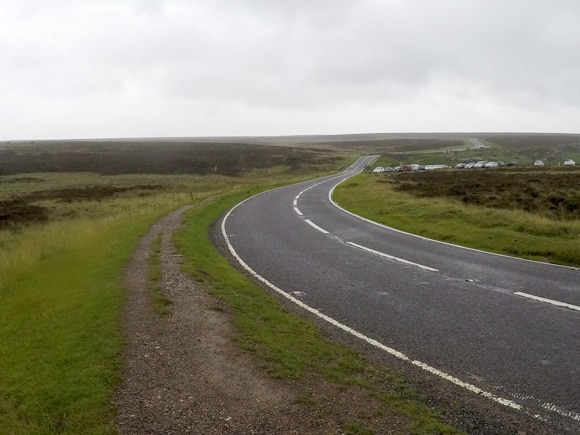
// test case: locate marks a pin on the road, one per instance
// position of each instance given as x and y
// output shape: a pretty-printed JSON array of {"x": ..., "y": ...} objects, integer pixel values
[{"x": 504, "y": 328}]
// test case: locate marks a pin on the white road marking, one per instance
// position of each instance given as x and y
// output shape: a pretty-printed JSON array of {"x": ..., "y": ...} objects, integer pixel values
[
  {"x": 377, "y": 344},
  {"x": 467, "y": 386},
  {"x": 299, "y": 213},
  {"x": 355, "y": 333},
  {"x": 378, "y": 224},
  {"x": 313, "y": 225},
  {"x": 392, "y": 257},
  {"x": 548, "y": 301}
]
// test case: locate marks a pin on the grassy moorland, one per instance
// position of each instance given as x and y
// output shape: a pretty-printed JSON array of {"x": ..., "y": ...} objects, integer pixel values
[
  {"x": 71, "y": 213},
  {"x": 527, "y": 214},
  {"x": 65, "y": 239},
  {"x": 61, "y": 293},
  {"x": 523, "y": 211}
]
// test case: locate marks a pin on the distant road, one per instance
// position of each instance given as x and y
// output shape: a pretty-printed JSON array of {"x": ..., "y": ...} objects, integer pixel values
[{"x": 505, "y": 328}]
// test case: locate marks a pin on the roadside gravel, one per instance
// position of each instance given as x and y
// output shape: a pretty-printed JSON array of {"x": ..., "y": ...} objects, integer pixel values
[{"x": 184, "y": 373}]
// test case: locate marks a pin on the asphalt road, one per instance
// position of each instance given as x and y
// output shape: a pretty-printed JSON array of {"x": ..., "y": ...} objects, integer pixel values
[{"x": 467, "y": 316}]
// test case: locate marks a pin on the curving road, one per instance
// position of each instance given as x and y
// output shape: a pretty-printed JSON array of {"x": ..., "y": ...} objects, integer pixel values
[{"x": 505, "y": 328}]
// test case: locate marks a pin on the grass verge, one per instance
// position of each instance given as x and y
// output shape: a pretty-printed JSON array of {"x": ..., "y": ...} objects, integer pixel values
[
  {"x": 510, "y": 232},
  {"x": 289, "y": 346},
  {"x": 66, "y": 316},
  {"x": 161, "y": 303},
  {"x": 61, "y": 290},
  {"x": 61, "y": 297}
]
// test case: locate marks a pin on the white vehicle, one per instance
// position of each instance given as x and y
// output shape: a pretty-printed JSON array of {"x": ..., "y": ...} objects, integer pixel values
[
  {"x": 569, "y": 162},
  {"x": 378, "y": 170},
  {"x": 480, "y": 164},
  {"x": 491, "y": 165},
  {"x": 435, "y": 167},
  {"x": 538, "y": 163}
]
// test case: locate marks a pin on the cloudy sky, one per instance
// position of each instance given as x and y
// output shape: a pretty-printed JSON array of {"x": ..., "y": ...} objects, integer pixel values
[{"x": 142, "y": 68}]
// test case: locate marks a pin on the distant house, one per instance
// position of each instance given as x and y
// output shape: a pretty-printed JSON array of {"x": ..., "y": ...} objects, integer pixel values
[{"x": 538, "y": 163}]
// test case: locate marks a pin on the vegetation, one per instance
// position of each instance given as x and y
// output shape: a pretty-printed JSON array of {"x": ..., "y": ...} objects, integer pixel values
[
  {"x": 71, "y": 213},
  {"x": 158, "y": 157},
  {"x": 65, "y": 239},
  {"x": 290, "y": 347},
  {"x": 61, "y": 295},
  {"x": 552, "y": 194},
  {"x": 430, "y": 204},
  {"x": 161, "y": 302}
]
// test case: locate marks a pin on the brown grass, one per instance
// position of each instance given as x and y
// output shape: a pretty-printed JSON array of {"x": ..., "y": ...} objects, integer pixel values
[{"x": 553, "y": 193}]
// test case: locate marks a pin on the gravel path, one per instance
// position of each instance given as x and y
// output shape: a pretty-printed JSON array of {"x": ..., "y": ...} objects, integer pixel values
[{"x": 183, "y": 373}]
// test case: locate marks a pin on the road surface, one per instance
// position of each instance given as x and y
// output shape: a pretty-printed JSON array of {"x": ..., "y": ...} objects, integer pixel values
[{"x": 504, "y": 328}]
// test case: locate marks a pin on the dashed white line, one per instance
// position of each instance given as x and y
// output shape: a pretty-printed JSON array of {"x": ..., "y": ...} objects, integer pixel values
[
  {"x": 335, "y": 204},
  {"x": 313, "y": 225},
  {"x": 548, "y": 301},
  {"x": 298, "y": 212},
  {"x": 372, "y": 342},
  {"x": 375, "y": 343},
  {"x": 392, "y": 257}
]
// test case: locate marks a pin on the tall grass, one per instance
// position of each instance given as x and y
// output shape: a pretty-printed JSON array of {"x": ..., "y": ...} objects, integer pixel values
[
  {"x": 511, "y": 232},
  {"x": 61, "y": 293}
]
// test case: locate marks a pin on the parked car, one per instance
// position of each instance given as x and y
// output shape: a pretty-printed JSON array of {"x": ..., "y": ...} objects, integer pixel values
[
  {"x": 569, "y": 162},
  {"x": 378, "y": 170},
  {"x": 470, "y": 165},
  {"x": 491, "y": 165},
  {"x": 434, "y": 167},
  {"x": 538, "y": 163},
  {"x": 460, "y": 166},
  {"x": 480, "y": 164}
]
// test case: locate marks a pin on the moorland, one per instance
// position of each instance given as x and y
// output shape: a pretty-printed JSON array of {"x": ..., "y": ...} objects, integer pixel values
[{"x": 71, "y": 213}]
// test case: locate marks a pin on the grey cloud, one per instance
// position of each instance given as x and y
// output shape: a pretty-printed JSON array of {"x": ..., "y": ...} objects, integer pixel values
[{"x": 304, "y": 59}]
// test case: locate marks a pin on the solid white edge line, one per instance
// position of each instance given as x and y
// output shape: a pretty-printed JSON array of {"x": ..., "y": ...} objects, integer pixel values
[
  {"x": 372, "y": 342},
  {"x": 316, "y": 227},
  {"x": 548, "y": 301},
  {"x": 433, "y": 240},
  {"x": 392, "y": 257}
]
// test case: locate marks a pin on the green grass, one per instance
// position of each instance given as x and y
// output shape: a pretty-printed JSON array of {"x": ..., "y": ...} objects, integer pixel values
[
  {"x": 61, "y": 295},
  {"x": 59, "y": 335},
  {"x": 357, "y": 429},
  {"x": 161, "y": 303},
  {"x": 511, "y": 232},
  {"x": 288, "y": 346}
]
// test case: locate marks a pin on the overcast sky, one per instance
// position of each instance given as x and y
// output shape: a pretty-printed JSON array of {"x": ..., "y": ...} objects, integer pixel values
[{"x": 142, "y": 68}]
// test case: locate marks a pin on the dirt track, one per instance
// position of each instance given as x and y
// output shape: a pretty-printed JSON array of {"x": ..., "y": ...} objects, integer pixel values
[{"x": 184, "y": 373}]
